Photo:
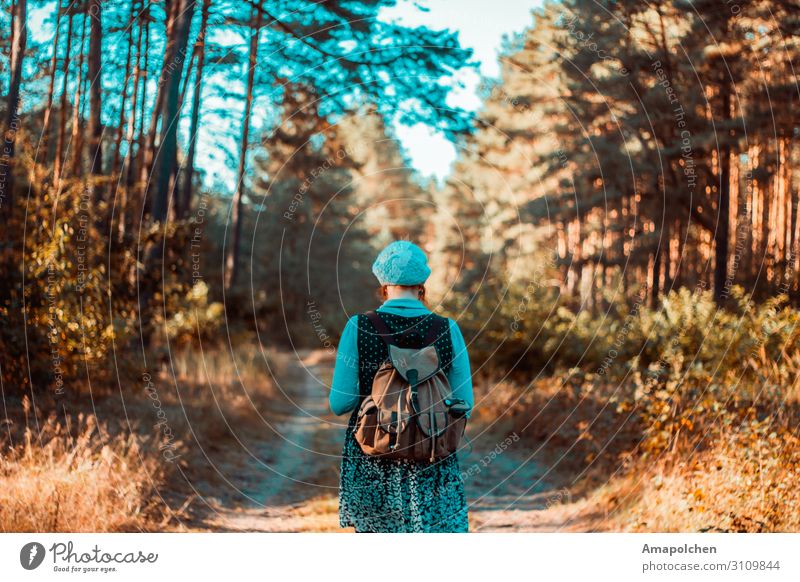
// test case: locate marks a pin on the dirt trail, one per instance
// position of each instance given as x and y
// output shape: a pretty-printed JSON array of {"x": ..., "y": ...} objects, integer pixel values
[{"x": 289, "y": 483}]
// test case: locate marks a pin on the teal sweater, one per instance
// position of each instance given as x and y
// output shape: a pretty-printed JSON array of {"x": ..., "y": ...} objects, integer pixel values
[{"x": 344, "y": 394}]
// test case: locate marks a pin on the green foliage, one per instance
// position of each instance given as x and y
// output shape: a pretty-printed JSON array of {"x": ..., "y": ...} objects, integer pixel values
[
  {"x": 705, "y": 368},
  {"x": 195, "y": 318},
  {"x": 685, "y": 368},
  {"x": 84, "y": 298},
  {"x": 318, "y": 249},
  {"x": 68, "y": 316}
]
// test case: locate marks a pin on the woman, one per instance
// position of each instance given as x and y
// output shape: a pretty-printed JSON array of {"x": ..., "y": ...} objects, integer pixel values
[{"x": 383, "y": 495}]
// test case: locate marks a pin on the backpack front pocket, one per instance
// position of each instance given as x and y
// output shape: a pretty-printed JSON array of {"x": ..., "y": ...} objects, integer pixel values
[{"x": 367, "y": 427}]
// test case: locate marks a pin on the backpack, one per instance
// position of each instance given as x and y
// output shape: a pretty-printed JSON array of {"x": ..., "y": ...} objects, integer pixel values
[{"x": 410, "y": 412}]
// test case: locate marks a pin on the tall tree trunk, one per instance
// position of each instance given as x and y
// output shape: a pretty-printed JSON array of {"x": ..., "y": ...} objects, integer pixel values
[
  {"x": 18, "y": 44},
  {"x": 232, "y": 257},
  {"x": 141, "y": 75},
  {"x": 185, "y": 204},
  {"x": 48, "y": 110},
  {"x": 58, "y": 163},
  {"x": 95, "y": 90},
  {"x": 77, "y": 130},
  {"x": 135, "y": 190},
  {"x": 655, "y": 276},
  {"x": 166, "y": 173},
  {"x": 120, "y": 196},
  {"x": 166, "y": 98},
  {"x": 147, "y": 153},
  {"x": 167, "y": 107},
  {"x": 722, "y": 235},
  {"x": 148, "y": 142},
  {"x": 116, "y": 158}
]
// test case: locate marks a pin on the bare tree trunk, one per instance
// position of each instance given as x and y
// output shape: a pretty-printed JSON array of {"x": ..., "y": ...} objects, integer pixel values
[
  {"x": 721, "y": 235},
  {"x": 116, "y": 157},
  {"x": 232, "y": 256},
  {"x": 793, "y": 200},
  {"x": 18, "y": 45},
  {"x": 58, "y": 163},
  {"x": 135, "y": 191},
  {"x": 170, "y": 53},
  {"x": 95, "y": 90},
  {"x": 185, "y": 199},
  {"x": 623, "y": 220},
  {"x": 166, "y": 174},
  {"x": 655, "y": 276},
  {"x": 140, "y": 76},
  {"x": 120, "y": 196},
  {"x": 168, "y": 106},
  {"x": 48, "y": 110},
  {"x": 77, "y": 133}
]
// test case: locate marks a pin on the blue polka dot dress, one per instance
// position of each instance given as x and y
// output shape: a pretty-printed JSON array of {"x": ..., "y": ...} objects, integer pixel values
[{"x": 386, "y": 495}]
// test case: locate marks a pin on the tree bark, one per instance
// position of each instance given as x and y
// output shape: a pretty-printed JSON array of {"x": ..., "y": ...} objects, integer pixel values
[
  {"x": 185, "y": 204},
  {"x": 18, "y": 44},
  {"x": 232, "y": 256},
  {"x": 655, "y": 275},
  {"x": 77, "y": 133},
  {"x": 120, "y": 196},
  {"x": 48, "y": 110},
  {"x": 166, "y": 173},
  {"x": 116, "y": 157},
  {"x": 148, "y": 142},
  {"x": 140, "y": 76},
  {"x": 166, "y": 108},
  {"x": 95, "y": 64},
  {"x": 58, "y": 162},
  {"x": 721, "y": 235}
]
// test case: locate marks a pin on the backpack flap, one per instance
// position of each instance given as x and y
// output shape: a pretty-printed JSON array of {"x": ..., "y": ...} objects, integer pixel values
[{"x": 424, "y": 361}]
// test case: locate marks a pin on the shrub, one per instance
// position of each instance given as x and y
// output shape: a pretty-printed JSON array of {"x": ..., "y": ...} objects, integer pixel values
[
  {"x": 62, "y": 325},
  {"x": 687, "y": 370}
]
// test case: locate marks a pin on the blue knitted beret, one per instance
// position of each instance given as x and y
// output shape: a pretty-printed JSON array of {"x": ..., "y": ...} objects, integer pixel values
[{"x": 401, "y": 263}]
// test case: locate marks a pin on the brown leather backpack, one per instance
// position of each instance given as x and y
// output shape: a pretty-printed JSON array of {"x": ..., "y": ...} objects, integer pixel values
[{"x": 410, "y": 413}]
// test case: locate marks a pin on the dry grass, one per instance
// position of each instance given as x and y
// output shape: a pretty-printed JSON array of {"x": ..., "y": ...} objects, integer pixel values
[
  {"x": 574, "y": 427},
  {"x": 730, "y": 488},
  {"x": 87, "y": 475},
  {"x": 220, "y": 367},
  {"x": 736, "y": 469},
  {"x": 217, "y": 392},
  {"x": 78, "y": 479},
  {"x": 319, "y": 515}
]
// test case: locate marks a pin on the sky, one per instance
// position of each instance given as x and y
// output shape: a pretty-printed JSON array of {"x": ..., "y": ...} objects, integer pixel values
[{"x": 480, "y": 28}]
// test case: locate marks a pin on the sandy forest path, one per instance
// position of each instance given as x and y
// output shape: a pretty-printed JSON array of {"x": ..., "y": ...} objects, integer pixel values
[{"x": 288, "y": 481}]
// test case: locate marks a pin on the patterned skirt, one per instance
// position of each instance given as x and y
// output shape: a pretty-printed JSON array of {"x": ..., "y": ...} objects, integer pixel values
[{"x": 399, "y": 496}]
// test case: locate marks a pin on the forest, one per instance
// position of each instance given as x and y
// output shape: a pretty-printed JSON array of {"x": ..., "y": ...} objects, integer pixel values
[{"x": 192, "y": 193}]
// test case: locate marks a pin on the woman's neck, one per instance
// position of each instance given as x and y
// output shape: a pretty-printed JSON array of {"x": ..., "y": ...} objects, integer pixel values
[{"x": 402, "y": 295}]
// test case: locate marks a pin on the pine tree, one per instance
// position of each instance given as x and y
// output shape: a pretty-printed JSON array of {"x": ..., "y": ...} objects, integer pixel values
[{"x": 308, "y": 218}]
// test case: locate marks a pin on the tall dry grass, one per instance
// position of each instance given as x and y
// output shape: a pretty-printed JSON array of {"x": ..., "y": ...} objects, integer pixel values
[
  {"x": 220, "y": 367},
  {"x": 219, "y": 390},
  {"x": 83, "y": 474},
  {"x": 740, "y": 473},
  {"x": 728, "y": 488},
  {"x": 684, "y": 418},
  {"x": 78, "y": 478}
]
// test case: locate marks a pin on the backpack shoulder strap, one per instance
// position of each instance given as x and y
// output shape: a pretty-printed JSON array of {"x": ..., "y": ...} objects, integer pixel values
[
  {"x": 436, "y": 329},
  {"x": 380, "y": 326}
]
